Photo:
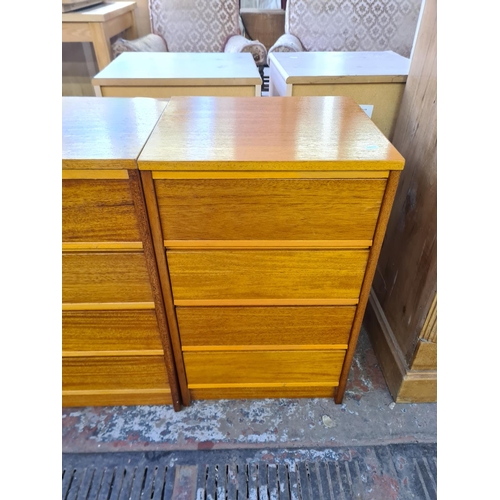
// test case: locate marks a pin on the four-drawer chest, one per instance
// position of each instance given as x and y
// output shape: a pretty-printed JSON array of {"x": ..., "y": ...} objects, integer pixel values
[{"x": 258, "y": 225}]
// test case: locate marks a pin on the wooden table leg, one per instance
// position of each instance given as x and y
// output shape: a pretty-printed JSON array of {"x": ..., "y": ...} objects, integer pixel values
[
  {"x": 131, "y": 33},
  {"x": 102, "y": 44}
]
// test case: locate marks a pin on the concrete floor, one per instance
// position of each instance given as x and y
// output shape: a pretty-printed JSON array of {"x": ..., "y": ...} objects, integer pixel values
[{"x": 368, "y": 416}]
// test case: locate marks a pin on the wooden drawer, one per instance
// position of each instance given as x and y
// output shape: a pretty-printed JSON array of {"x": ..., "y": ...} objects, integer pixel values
[
  {"x": 98, "y": 210},
  {"x": 270, "y": 368},
  {"x": 266, "y": 274},
  {"x": 264, "y": 326},
  {"x": 269, "y": 209},
  {"x": 105, "y": 277},
  {"x": 112, "y": 373},
  {"x": 110, "y": 331}
]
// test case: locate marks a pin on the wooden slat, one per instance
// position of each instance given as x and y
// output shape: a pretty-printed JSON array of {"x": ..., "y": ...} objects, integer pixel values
[
  {"x": 84, "y": 354},
  {"x": 94, "y": 174},
  {"x": 268, "y": 209},
  {"x": 263, "y": 392},
  {"x": 267, "y": 347},
  {"x": 267, "y": 244},
  {"x": 266, "y": 274},
  {"x": 429, "y": 330},
  {"x": 107, "y": 306},
  {"x": 263, "y": 367},
  {"x": 154, "y": 280},
  {"x": 100, "y": 246},
  {"x": 216, "y": 327},
  {"x": 159, "y": 251},
  {"x": 105, "y": 277},
  {"x": 264, "y": 385},
  {"x": 117, "y": 397},
  {"x": 326, "y": 174},
  {"x": 109, "y": 330},
  {"x": 264, "y": 302},
  {"x": 110, "y": 373}
]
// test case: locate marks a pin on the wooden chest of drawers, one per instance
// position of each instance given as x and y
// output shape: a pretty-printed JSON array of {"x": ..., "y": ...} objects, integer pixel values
[
  {"x": 115, "y": 341},
  {"x": 267, "y": 219}
]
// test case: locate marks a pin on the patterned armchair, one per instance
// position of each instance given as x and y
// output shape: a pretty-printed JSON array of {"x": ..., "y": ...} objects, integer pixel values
[
  {"x": 349, "y": 25},
  {"x": 193, "y": 26}
]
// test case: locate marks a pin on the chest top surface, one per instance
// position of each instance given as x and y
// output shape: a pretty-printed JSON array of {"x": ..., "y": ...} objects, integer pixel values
[
  {"x": 169, "y": 68},
  {"x": 106, "y": 132},
  {"x": 318, "y": 67},
  {"x": 278, "y": 133},
  {"x": 98, "y": 13}
]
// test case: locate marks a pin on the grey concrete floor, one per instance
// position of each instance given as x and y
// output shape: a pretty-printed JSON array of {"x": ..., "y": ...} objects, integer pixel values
[{"x": 368, "y": 416}]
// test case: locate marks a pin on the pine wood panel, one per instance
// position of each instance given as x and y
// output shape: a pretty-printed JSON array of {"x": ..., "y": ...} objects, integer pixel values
[
  {"x": 263, "y": 367},
  {"x": 117, "y": 398},
  {"x": 110, "y": 330},
  {"x": 220, "y": 326},
  {"x": 263, "y": 392},
  {"x": 110, "y": 373},
  {"x": 304, "y": 133},
  {"x": 98, "y": 210},
  {"x": 268, "y": 209},
  {"x": 105, "y": 277},
  {"x": 266, "y": 274}
]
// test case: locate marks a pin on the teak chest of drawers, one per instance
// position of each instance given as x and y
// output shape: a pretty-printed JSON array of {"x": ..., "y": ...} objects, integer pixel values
[
  {"x": 115, "y": 341},
  {"x": 267, "y": 218}
]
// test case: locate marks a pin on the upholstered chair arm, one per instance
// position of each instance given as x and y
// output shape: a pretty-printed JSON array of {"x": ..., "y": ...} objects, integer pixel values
[
  {"x": 238, "y": 43},
  {"x": 148, "y": 43},
  {"x": 286, "y": 43}
]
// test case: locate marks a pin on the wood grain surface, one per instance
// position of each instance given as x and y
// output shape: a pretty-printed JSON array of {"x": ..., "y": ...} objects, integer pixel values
[
  {"x": 305, "y": 133},
  {"x": 268, "y": 209},
  {"x": 109, "y": 330},
  {"x": 108, "y": 373},
  {"x": 266, "y": 274},
  {"x": 264, "y": 392},
  {"x": 117, "y": 397},
  {"x": 163, "y": 273},
  {"x": 406, "y": 279},
  {"x": 98, "y": 210},
  {"x": 263, "y": 367},
  {"x": 105, "y": 277},
  {"x": 222, "y": 326},
  {"x": 106, "y": 133}
]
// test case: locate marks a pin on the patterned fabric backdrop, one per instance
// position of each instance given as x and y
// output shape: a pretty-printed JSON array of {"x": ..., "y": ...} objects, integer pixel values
[
  {"x": 354, "y": 25},
  {"x": 195, "y": 25}
]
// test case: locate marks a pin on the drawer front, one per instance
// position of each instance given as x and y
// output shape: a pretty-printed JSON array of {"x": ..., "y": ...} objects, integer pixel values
[
  {"x": 263, "y": 367},
  {"x": 111, "y": 373},
  {"x": 105, "y": 277},
  {"x": 269, "y": 209},
  {"x": 96, "y": 210},
  {"x": 110, "y": 331},
  {"x": 266, "y": 274},
  {"x": 264, "y": 326}
]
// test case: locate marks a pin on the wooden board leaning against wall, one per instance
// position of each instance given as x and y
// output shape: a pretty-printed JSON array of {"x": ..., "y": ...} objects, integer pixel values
[{"x": 401, "y": 316}]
